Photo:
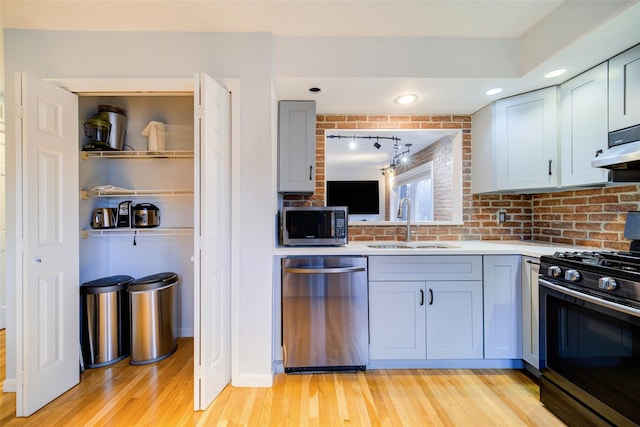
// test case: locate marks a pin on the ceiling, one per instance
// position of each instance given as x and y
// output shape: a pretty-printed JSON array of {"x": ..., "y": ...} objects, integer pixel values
[{"x": 362, "y": 54}]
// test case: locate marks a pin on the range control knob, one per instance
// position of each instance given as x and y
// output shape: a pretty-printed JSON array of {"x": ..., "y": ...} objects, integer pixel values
[
  {"x": 607, "y": 283},
  {"x": 554, "y": 271},
  {"x": 572, "y": 275}
]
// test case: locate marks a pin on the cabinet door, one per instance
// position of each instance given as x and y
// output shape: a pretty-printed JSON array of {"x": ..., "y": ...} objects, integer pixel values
[
  {"x": 483, "y": 150},
  {"x": 530, "y": 315},
  {"x": 584, "y": 129},
  {"x": 502, "y": 305},
  {"x": 454, "y": 319},
  {"x": 624, "y": 87},
  {"x": 296, "y": 146},
  {"x": 396, "y": 320},
  {"x": 526, "y": 140}
]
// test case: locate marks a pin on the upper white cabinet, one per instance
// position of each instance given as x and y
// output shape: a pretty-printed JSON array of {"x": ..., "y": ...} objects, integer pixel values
[
  {"x": 296, "y": 146},
  {"x": 624, "y": 89},
  {"x": 515, "y": 143},
  {"x": 530, "y": 315},
  {"x": 483, "y": 150},
  {"x": 583, "y": 127},
  {"x": 526, "y": 141},
  {"x": 502, "y": 304}
]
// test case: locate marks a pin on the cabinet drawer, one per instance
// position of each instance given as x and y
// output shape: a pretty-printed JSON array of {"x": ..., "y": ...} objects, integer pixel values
[{"x": 425, "y": 267}]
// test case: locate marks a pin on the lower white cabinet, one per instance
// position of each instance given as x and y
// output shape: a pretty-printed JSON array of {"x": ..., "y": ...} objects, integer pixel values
[
  {"x": 397, "y": 320},
  {"x": 502, "y": 302},
  {"x": 454, "y": 320},
  {"x": 530, "y": 314},
  {"x": 425, "y": 319}
]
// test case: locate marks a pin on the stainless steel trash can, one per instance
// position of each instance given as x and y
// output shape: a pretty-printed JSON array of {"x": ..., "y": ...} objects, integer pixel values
[
  {"x": 104, "y": 330},
  {"x": 154, "y": 317}
]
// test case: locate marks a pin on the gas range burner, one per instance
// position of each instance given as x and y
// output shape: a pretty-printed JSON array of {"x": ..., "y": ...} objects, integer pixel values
[{"x": 622, "y": 261}]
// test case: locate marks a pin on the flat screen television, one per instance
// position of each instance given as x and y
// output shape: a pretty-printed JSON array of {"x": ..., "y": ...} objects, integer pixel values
[{"x": 361, "y": 197}]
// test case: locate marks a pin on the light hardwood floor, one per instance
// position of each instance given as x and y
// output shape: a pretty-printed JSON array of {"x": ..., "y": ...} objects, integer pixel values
[{"x": 161, "y": 394}]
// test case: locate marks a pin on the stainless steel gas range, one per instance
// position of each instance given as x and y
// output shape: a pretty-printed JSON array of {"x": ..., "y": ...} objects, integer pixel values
[{"x": 590, "y": 337}]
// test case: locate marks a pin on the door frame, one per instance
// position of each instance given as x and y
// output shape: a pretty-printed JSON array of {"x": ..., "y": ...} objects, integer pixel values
[{"x": 115, "y": 86}]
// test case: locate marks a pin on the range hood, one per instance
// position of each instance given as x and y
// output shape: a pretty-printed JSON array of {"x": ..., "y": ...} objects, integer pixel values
[{"x": 623, "y": 155}]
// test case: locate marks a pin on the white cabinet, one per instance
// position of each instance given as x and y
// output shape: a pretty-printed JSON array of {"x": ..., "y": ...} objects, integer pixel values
[
  {"x": 502, "y": 305},
  {"x": 515, "y": 143},
  {"x": 296, "y": 146},
  {"x": 530, "y": 314},
  {"x": 483, "y": 150},
  {"x": 624, "y": 87},
  {"x": 454, "y": 319},
  {"x": 527, "y": 141},
  {"x": 397, "y": 320},
  {"x": 583, "y": 127},
  {"x": 425, "y": 307}
]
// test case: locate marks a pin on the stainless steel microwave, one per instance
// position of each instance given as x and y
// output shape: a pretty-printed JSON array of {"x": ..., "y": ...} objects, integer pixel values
[{"x": 327, "y": 226}]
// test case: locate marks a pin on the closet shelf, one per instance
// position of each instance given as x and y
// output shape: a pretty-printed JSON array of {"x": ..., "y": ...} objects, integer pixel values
[
  {"x": 126, "y": 231},
  {"x": 176, "y": 154},
  {"x": 90, "y": 194}
]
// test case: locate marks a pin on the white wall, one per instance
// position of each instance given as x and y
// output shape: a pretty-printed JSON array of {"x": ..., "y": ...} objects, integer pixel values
[{"x": 246, "y": 57}]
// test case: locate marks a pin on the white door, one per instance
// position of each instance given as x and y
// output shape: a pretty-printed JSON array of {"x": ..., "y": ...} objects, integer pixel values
[
  {"x": 47, "y": 238},
  {"x": 212, "y": 293}
]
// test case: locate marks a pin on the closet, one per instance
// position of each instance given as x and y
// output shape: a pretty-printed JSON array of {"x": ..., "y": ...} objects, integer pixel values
[{"x": 189, "y": 181}]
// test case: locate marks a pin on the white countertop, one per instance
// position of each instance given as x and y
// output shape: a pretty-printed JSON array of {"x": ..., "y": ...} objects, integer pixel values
[{"x": 463, "y": 247}]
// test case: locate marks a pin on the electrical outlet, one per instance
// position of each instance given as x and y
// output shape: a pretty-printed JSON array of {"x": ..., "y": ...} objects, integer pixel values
[{"x": 502, "y": 216}]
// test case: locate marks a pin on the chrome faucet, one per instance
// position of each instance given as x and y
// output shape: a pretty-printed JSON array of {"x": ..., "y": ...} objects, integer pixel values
[{"x": 399, "y": 215}]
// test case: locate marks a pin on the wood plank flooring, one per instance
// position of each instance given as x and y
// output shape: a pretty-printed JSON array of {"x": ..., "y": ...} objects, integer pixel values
[{"x": 161, "y": 394}]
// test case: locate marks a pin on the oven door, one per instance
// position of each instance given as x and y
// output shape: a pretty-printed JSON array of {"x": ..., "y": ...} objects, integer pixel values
[{"x": 589, "y": 353}]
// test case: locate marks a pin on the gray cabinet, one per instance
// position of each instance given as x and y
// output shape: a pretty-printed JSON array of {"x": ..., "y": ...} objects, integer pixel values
[
  {"x": 530, "y": 315},
  {"x": 583, "y": 127},
  {"x": 624, "y": 87},
  {"x": 425, "y": 307},
  {"x": 527, "y": 141},
  {"x": 296, "y": 147},
  {"x": 502, "y": 305},
  {"x": 515, "y": 143}
]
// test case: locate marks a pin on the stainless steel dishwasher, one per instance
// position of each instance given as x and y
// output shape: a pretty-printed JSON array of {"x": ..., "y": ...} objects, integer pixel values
[{"x": 325, "y": 315}]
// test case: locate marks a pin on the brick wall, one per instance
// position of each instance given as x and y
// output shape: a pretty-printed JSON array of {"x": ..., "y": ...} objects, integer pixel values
[{"x": 593, "y": 217}]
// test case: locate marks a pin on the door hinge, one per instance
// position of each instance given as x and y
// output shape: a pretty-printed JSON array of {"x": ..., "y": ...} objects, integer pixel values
[
  {"x": 20, "y": 112},
  {"x": 20, "y": 377}
]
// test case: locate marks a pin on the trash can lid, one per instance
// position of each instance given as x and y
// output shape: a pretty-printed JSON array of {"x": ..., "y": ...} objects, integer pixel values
[
  {"x": 106, "y": 284},
  {"x": 154, "y": 281}
]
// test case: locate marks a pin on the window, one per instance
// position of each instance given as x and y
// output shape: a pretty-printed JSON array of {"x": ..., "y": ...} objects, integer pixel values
[{"x": 416, "y": 185}]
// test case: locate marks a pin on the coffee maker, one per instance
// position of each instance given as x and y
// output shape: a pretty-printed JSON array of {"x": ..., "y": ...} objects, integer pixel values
[{"x": 106, "y": 129}]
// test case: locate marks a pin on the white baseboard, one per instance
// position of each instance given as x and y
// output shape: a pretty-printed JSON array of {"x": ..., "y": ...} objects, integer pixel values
[
  {"x": 253, "y": 380},
  {"x": 10, "y": 386}
]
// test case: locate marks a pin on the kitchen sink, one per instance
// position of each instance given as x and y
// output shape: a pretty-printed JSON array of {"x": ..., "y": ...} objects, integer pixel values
[
  {"x": 435, "y": 246},
  {"x": 390, "y": 246}
]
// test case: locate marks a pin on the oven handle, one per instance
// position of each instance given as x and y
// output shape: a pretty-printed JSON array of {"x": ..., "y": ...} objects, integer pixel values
[{"x": 586, "y": 297}]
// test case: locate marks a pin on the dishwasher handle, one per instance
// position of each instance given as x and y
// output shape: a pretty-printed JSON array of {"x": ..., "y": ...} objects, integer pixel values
[{"x": 329, "y": 270}]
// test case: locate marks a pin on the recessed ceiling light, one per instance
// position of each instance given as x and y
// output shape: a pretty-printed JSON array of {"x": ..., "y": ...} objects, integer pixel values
[
  {"x": 406, "y": 99},
  {"x": 555, "y": 73},
  {"x": 494, "y": 91}
]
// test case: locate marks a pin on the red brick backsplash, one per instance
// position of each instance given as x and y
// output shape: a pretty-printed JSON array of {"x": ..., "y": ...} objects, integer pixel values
[{"x": 592, "y": 217}]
